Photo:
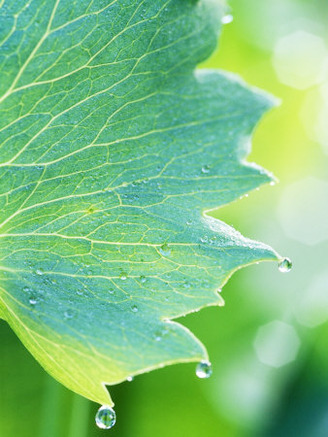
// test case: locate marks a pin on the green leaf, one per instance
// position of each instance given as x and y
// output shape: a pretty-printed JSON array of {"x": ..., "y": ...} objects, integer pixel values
[{"x": 113, "y": 148}]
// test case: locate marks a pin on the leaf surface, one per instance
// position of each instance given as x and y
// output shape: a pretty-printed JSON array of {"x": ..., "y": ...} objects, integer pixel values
[{"x": 113, "y": 147}]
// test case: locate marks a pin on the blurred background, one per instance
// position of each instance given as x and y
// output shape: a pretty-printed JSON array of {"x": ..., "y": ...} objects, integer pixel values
[{"x": 269, "y": 345}]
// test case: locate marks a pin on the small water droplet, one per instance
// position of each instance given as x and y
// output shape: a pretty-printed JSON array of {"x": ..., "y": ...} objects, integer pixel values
[
  {"x": 204, "y": 369},
  {"x": 39, "y": 272},
  {"x": 105, "y": 417},
  {"x": 158, "y": 336},
  {"x": 188, "y": 222},
  {"x": 205, "y": 169},
  {"x": 130, "y": 378},
  {"x": 68, "y": 314},
  {"x": 123, "y": 276},
  {"x": 134, "y": 309},
  {"x": 143, "y": 279},
  {"x": 26, "y": 289},
  {"x": 285, "y": 265},
  {"x": 165, "y": 250},
  {"x": 227, "y": 19},
  {"x": 32, "y": 300}
]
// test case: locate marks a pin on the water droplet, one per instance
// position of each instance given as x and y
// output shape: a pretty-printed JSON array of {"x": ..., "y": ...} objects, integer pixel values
[
  {"x": 158, "y": 336},
  {"x": 205, "y": 169},
  {"x": 285, "y": 265},
  {"x": 39, "y": 272},
  {"x": 68, "y": 314},
  {"x": 134, "y": 309},
  {"x": 130, "y": 378},
  {"x": 32, "y": 300},
  {"x": 204, "y": 369},
  {"x": 165, "y": 250},
  {"x": 188, "y": 222},
  {"x": 123, "y": 276},
  {"x": 143, "y": 279},
  {"x": 26, "y": 289},
  {"x": 105, "y": 417},
  {"x": 227, "y": 19}
]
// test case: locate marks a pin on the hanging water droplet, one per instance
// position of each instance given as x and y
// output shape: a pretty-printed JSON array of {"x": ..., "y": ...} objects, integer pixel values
[
  {"x": 105, "y": 417},
  {"x": 39, "y": 272},
  {"x": 285, "y": 265},
  {"x": 134, "y": 309},
  {"x": 204, "y": 369},
  {"x": 227, "y": 19},
  {"x": 165, "y": 250}
]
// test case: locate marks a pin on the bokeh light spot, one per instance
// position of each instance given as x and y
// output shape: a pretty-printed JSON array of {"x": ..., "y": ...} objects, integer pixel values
[
  {"x": 303, "y": 211},
  {"x": 276, "y": 344},
  {"x": 300, "y": 59}
]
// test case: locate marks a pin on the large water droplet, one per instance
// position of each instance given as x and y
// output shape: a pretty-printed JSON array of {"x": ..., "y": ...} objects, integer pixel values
[
  {"x": 285, "y": 265},
  {"x": 204, "y": 369},
  {"x": 105, "y": 417}
]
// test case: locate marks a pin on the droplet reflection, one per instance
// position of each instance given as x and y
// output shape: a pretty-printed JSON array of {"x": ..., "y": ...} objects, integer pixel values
[
  {"x": 105, "y": 417},
  {"x": 204, "y": 369}
]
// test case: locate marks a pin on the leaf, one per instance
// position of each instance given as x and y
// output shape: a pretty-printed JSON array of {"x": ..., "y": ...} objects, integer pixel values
[{"x": 113, "y": 151}]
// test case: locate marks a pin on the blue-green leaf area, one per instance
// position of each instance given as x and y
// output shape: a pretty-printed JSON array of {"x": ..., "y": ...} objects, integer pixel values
[{"x": 113, "y": 147}]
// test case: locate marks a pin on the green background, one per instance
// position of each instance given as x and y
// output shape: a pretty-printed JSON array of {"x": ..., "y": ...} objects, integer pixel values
[{"x": 244, "y": 397}]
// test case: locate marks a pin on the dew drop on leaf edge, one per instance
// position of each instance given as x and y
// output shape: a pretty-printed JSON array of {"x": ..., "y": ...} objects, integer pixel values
[
  {"x": 204, "y": 369},
  {"x": 285, "y": 265},
  {"x": 105, "y": 417}
]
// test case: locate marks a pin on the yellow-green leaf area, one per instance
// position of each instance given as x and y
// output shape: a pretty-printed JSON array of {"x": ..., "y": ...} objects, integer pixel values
[{"x": 112, "y": 148}]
